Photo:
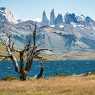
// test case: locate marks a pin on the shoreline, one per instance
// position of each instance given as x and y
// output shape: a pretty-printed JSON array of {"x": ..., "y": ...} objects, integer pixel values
[{"x": 77, "y": 55}]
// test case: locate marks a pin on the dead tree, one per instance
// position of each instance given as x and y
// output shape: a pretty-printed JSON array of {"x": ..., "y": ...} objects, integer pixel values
[{"x": 26, "y": 56}]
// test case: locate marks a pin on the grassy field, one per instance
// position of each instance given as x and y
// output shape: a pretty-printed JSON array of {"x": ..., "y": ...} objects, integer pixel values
[{"x": 84, "y": 85}]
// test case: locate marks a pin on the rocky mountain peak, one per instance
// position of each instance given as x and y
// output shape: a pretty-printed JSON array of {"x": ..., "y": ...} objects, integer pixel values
[
  {"x": 6, "y": 15},
  {"x": 52, "y": 17},
  {"x": 44, "y": 18}
]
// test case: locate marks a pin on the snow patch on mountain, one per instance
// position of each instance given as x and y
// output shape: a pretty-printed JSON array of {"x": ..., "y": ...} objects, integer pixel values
[{"x": 6, "y": 14}]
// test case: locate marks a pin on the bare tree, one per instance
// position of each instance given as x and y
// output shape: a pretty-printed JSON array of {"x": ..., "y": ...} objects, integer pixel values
[{"x": 26, "y": 56}]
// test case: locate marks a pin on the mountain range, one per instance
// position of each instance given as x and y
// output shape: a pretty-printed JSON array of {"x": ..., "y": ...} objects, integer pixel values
[
  {"x": 68, "y": 33},
  {"x": 67, "y": 19}
]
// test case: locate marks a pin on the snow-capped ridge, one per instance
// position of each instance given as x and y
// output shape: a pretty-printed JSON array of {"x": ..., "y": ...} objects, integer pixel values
[
  {"x": 6, "y": 14},
  {"x": 71, "y": 32}
]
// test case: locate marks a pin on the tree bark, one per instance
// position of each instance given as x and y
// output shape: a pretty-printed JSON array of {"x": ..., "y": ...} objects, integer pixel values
[{"x": 23, "y": 75}]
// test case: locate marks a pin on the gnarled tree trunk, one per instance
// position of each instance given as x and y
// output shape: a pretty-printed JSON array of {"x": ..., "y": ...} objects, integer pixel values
[{"x": 23, "y": 75}]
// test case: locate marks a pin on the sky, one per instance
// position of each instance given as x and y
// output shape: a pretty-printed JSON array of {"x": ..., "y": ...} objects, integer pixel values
[{"x": 32, "y": 9}]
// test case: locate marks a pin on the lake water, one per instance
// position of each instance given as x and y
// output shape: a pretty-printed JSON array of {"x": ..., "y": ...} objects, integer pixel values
[{"x": 52, "y": 68}]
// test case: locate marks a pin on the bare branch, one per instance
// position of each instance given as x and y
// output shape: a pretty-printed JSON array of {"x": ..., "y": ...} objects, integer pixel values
[
  {"x": 13, "y": 58},
  {"x": 21, "y": 60},
  {"x": 34, "y": 36},
  {"x": 30, "y": 56},
  {"x": 39, "y": 50}
]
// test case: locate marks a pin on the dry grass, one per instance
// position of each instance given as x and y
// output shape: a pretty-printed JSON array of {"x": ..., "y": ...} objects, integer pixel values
[{"x": 52, "y": 86}]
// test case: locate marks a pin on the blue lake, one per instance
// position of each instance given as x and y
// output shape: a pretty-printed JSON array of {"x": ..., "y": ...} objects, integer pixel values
[{"x": 51, "y": 68}]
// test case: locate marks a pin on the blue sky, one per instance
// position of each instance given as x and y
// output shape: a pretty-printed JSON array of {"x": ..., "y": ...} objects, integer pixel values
[{"x": 27, "y": 9}]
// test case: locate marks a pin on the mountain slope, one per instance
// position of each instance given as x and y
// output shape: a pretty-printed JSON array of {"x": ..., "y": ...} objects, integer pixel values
[{"x": 76, "y": 33}]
